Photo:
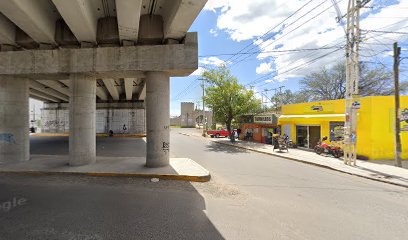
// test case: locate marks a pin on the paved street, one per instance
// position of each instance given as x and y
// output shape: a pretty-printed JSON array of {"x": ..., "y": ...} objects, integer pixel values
[{"x": 250, "y": 196}]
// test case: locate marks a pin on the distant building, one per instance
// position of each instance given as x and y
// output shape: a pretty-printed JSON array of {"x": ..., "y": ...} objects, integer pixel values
[
  {"x": 187, "y": 115},
  {"x": 190, "y": 117}
]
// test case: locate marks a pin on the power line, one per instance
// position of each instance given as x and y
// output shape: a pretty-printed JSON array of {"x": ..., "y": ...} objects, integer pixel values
[
  {"x": 303, "y": 65},
  {"x": 270, "y": 30},
  {"x": 286, "y": 26},
  {"x": 192, "y": 85},
  {"x": 263, "y": 47},
  {"x": 271, "y": 51},
  {"x": 377, "y": 31}
]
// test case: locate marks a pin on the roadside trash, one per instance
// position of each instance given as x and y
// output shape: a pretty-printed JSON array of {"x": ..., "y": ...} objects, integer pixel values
[{"x": 154, "y": 180}]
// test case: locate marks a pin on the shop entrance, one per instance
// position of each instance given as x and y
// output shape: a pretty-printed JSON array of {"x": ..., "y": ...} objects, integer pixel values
[
  {"x": 307, "y": 136},
  {"x": 314, "y": 136}
]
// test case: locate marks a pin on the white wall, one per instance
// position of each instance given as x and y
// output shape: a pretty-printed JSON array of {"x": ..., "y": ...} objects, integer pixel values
[{"x": 117, "y": 120}]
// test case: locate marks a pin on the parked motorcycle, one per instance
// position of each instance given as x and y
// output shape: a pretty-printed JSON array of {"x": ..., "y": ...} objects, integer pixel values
[
  {"x": 323, "y": 147},
  {"x": 289, "y": 142}
]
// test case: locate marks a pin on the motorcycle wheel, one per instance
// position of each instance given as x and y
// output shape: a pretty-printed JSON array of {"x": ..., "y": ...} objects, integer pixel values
[
  {"x": 336, "y": 153},
  {"x": 318, "y": 150}
]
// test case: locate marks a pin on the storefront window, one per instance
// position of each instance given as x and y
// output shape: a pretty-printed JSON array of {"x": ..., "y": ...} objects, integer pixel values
[
  {"x": 336, "y": 131},
  {"x": 307, "y": 136},
  {"x": 302, "y": 136}
]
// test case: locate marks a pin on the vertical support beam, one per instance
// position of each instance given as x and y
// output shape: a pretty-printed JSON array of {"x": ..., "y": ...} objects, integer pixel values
[
  {"x": 157, "y": 119},
  {"x": 14, "y": 120},
  {"x": 110, "y": 85},
  {"x": 129, "y": 88},
  {"x": 398, "y": 147},
  {"x": 82, "y": 108}
]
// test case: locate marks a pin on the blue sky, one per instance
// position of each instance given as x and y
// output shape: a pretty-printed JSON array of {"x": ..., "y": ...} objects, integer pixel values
[{"x": 227, "y": 26}]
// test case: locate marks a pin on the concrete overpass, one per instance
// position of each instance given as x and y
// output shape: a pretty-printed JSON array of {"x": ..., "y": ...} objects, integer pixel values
[{"x": 86, "y": 51}]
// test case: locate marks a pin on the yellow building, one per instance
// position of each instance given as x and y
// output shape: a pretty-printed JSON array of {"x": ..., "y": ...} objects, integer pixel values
[{"x": 306, "y": 123}]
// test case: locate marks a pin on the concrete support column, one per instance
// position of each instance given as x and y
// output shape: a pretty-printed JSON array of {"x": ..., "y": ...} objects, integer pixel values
[
  {"x": 82, "y": 133},
  {"x": 157, "y": 119},
  {"x": 14, "y": 120}
]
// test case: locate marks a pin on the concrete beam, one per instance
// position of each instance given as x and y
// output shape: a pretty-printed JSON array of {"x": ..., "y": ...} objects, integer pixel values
[
  {"x": 36, "y": 18},
  {"x": 49, "y": 91},
  {"x": 129, "y": 88},
  {"x": 7, "y": 31},
  {"x": 81, "y": 18},
  {"x": 56, "y": 85},
  {"x": 67, "y": 82},
  {"x": 142, "y": 94},
  {"x": 43, "y": 95},
  {"x": 128, "y": 13},
  {"x": 178, "y": 16},
  {"x": 123, "y": 62},
  {"x": 38, "y": 98},
  {"x": 101, "y": 93},
  {"x": 113, "y": 91},
  {"x": 151, "y": 29}
]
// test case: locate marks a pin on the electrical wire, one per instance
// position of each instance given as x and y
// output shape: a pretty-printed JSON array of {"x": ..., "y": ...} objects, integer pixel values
[
  {"x": 301, "y": 25},
  {"x": 271, "y": 29}
]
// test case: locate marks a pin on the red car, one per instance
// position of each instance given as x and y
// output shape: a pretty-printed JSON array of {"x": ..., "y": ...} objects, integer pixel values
[{"x": 220, "y": 132}]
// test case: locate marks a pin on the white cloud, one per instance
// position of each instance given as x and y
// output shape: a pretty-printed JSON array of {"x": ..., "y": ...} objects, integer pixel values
[
  {"x": 212, "y": 61},
  {"x": 264, "y": 68},
  {"x": 212, "y": 5},
  {"x": 198, "y": 72},
  {"x": 213, "y": 32},
  {"x": 248, "y": 20}
]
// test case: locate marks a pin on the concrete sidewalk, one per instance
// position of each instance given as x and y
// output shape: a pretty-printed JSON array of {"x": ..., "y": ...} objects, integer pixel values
[
  {"x": 378, "y": 172},
  {"x": 367, "y": 169},
  {"x": 179, "y": 169}
]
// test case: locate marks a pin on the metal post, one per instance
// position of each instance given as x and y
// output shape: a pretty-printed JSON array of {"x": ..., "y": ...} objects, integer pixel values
[
  {"x": 397, "y": 51},
  {"x": 352, "y": 79},
  {"x": 203, "y": 120}
]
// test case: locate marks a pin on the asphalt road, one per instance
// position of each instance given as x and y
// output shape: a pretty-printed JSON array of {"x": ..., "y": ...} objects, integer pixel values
[{"x": 251, "y": 196}]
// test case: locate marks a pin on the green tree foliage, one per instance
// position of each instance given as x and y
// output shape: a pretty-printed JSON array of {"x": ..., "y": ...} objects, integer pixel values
[
  {"x": 330, "y": 84},
  {"x": 226, "y": 97},
  {"x": 286, "y": 97}
]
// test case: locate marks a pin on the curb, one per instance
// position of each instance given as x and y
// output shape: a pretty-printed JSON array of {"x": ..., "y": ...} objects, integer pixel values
[
  {"x": 132, "y": 175},
  {"x": 315, "y": 164}
]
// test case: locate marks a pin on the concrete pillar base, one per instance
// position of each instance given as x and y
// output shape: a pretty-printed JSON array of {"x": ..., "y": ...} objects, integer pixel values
[
  {"x": 82, "y": 108},
  {"x": 14, "y": 120},
  {"x": 157, "y": 119}
]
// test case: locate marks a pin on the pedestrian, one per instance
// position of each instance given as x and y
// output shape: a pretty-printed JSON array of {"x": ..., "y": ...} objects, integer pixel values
[{"x": 238, "y": 132}]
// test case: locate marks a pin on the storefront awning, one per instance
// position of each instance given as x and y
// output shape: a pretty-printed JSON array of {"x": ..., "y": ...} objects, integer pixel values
[{"x": 312, "y": 116}]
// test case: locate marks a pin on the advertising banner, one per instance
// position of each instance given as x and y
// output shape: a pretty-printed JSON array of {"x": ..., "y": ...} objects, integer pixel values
[
  {"x": 404, "y": 120},
  {"x": 266, "y": 119}
]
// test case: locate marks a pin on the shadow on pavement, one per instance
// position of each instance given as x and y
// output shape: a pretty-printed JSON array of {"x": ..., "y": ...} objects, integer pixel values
[
  {"x": 105, "y": 146},
  {"x": 217, "y": 147},
  {"x": 102, "y": 208}
]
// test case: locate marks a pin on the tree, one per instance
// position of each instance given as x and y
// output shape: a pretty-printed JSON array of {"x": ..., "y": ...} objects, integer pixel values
[
  {"x": 286, "y": 97},
  {"x": 289, "y": 97},
  {"x": 330, "y": 84},
  {"x": 227, "y": 98}
]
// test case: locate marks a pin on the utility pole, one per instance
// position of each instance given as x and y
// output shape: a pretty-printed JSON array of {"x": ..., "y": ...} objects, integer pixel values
[
  {"x": 397, "y": 52},
  {"x": 204, "y": 121},
  {"x": 277, "y": 105},
  {"x": 352, "y": 79}
]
